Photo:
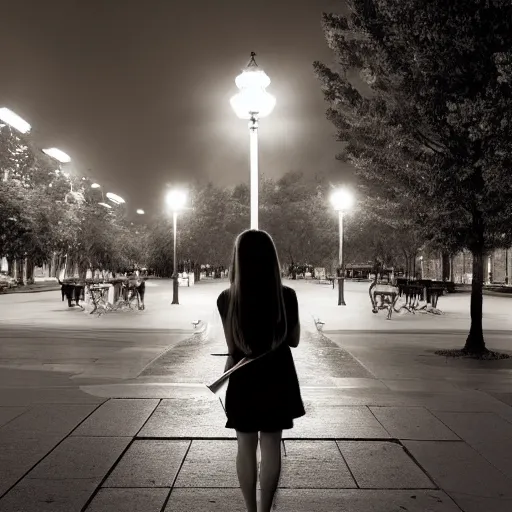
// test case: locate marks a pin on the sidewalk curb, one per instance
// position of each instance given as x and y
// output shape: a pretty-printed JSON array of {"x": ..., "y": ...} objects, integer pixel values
[{"x": 22, "y": 290}]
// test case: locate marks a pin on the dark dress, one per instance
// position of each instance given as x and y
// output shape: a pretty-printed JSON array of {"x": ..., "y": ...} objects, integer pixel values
[{"x": 264, "y": 396}]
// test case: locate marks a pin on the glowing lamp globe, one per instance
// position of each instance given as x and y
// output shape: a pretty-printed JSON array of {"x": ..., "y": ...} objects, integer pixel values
[
  {"x": 342, "y": 200},
  {"x": 176, "y": 199},
  {"x": 253, "y": 99},
  {"x": 58, "y": 155},
  {"x": 115, "y": 198},
  {"x": 14, "y": 120}
]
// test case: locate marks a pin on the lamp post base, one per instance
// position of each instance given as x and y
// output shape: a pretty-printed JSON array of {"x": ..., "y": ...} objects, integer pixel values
[
  {"x": 175, "y": 290},
  {"x": 341, "y": 297}
]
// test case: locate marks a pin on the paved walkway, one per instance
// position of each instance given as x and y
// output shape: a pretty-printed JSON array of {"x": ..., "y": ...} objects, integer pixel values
[{"x": 389, "y": 425}]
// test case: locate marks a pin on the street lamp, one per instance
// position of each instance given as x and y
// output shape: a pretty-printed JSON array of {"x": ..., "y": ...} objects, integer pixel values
[
  {"x": 140, "y": 211},
  {"x": 14, "y": 120},
  {"x": 115, "y": 198},
  {"x": 253, "y": 102},
  {"x": 176, "y": 200},
  {"x": 58, "y": 155},
  {"x": 342, "y": 200}
]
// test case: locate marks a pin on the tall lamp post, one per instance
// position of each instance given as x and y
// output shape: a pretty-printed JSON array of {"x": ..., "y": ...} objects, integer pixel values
[
  {"x": 252, "y": 103},
  {"x": 342, "y": 200},
  {"x": 176, "y": 200}
]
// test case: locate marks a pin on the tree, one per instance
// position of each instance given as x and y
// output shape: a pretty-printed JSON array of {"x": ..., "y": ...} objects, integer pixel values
[
  {"x": 433, "y": 133},
  {"x": 295, "y": 210}
]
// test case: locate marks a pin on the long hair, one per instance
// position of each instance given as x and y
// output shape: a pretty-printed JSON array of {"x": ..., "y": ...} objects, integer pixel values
[{"x": 256, "y": 319}]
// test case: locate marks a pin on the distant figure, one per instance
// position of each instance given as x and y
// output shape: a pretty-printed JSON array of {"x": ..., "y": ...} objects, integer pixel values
[
  {"x": 72, "y": 291},
  {"x": 260, "y": 314}
]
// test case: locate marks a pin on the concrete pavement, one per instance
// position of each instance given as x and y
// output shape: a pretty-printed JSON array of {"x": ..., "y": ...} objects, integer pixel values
[{"x": 389, "y": 426}]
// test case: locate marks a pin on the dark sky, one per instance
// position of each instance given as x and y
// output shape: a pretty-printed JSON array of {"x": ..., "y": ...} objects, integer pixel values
[{"x": 138, "y": 91}]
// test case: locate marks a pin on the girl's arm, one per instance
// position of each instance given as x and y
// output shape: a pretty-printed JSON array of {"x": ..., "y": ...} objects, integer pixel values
[{"x": 293, "y": 321}]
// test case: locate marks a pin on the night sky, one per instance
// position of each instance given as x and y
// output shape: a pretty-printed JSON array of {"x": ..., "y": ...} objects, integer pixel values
[{"x": 137, "y": 92}]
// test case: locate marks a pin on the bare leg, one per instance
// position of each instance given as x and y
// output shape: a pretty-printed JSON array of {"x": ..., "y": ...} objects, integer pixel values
[
  {"x": 270, "y": 470},
  {"x": 246, "y": 467}
]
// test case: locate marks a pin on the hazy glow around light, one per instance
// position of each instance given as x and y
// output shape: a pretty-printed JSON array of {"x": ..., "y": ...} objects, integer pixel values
[
  {"x": 58, "y": 155},
  {"x": 253, "y": 101},
  {"x": 105, "y": 205},
  {"x": 115, "y": 198},
  {"x": 176, "y": 199},
  {"x": 140, "y": 211},
  {"x": 252, "y": 78},
  {"x": 253, "y": 98},
  {"x": 342, "y": 199},
  {"x": 14, "y": 120},
  {"x": 95, "y": 185}
]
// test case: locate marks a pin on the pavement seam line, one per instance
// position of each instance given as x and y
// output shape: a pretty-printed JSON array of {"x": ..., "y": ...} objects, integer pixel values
[
  {"x": 164, "y": 351},
  {"x": 104, "y": 479},
  {"x": 15, "y": 417},
  {"x": 441, "y": 421},
  {"x": 358, "y": 439},
  {"x": 136, "y": 436},
  {"x": 346, "y": 464},
  {"x": 378, "y": 421},
  {"x": 52, "y": 450},
  {"x": 351, "y": 355},
  {"x": 167, "y": 499},
  {"x": 430, "y": 477}
]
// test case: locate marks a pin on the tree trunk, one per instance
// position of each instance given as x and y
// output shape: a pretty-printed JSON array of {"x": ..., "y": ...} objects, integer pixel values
[
  {"x": 475, "y": 341},
  {"x": 445, "y": 258}
]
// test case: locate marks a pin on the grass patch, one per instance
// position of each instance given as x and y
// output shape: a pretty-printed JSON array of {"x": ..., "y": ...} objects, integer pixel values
[{"x": 488, "y": 355}]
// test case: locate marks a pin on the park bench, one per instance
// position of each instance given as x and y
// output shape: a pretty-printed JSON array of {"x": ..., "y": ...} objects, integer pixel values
[
  {"x": 421, "y": 295},
  {"x": 117, "y": 294},
  {"x": 73, "y": 290}
]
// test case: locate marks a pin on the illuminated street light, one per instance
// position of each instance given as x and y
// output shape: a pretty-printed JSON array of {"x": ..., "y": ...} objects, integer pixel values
[
  {"x": 14, "y": 120},
  {"x": 342, "y": 200},
  {"x": 95, "y": 185},
  {"x": 176, "y": 200},
  {"x": 115, "y": 198},
  {"x": 140, "y": 211},
  {"x": 58, "y": 155},
  {"x": 253, "y": 102},
  {"x": 105, "y": 205}
]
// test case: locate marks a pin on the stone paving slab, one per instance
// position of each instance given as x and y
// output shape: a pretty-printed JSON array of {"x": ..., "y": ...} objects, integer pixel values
[
  {"x": 81, "y": 458},
  {"x": 317, "y": 500},
  {"x": 463, "y": 401},
  {"x": 503, "y": 397},
  {"x": 334, "y": 421},
  {"x": 357, "y": 382},
  {"x": 207, "y": 500},
  {"x": 314, "y": 465},
  {"x": 461, "y": 471},
  {"x": 9, "y": 413},
  {"x": 383, "y": 465},
  {"x": 117, "y": 418},
  {"x": 48, "y": 495},
  {"x": 19, "y": 454},
  {"x": 187, "y": 418},
  {"x": 413, "y": 423},
  {"x": 420, "y": 385},
  {"x": 474, "y": 503},
  {"x": 149, "y": 463},
  {"x": 489, "y": 434},
  {"x": 128, "y": 500},
  {"x": 146, "y": 389},
  {"x": 48, "y": 419},
  {"x": 27, "y": 397},
  {"x": 209, "y": 464}
]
